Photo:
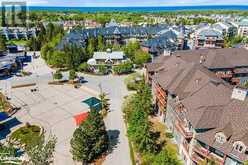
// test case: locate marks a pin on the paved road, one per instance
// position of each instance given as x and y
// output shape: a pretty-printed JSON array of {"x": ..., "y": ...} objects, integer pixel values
[{"x": 115, "y": 87}]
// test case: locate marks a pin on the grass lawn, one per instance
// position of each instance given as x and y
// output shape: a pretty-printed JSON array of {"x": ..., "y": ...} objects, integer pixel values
[
  {"x": 28, "y": 135},
  {"x": 164, "y": 137}
]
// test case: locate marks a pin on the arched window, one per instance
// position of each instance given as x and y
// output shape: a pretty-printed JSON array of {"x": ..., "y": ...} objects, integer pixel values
[{"x": 239, "y": 146}]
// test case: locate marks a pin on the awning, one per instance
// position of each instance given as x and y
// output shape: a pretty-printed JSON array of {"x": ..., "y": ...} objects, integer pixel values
[
  {"x": 3, "y": 116},
  {"x": 81, "y": 118}
]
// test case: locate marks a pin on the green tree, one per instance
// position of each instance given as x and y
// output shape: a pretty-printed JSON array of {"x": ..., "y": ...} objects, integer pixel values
[
  {"x": 42, "y": 154},
  {"x": 141, "y": 57},
  {"x": 57, "y": 75},
  {"x": 91, "y": 47},
  {"x": 90, "y": 139},
  {"x": 104, "y": 103},
  {"x": 139, "y": 129},
  {"x": 9, "y": 151},
  {"x": 165, "y": 157},
  {"x": 144, "y": 95},
  {"x": 2, "y": 43},
  {"x": 72, "y": 74},
  {"x": 102, "y": 69},
  {"x": 100, "y": 44},
  {"x": 131, "y": 48},
  {"x": 84, "y": 67}
]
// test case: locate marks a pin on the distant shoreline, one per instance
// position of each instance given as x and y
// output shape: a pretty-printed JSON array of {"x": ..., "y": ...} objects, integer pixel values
[{"x": 140, "y": 9}]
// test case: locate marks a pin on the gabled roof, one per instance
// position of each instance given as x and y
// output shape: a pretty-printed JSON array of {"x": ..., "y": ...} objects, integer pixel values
[{"x": 106, "y": 55}]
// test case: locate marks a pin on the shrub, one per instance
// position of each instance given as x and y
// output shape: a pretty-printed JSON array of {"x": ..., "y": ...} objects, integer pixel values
[
  {"x": 102, "y": 69},
  {"x": 131, "y": 82},
  {"x": 125, "y": 67},
  {"x": 84, "y": 67},
  {"x": 57, "y": 75},
  {"x": 72, "y": 74}
]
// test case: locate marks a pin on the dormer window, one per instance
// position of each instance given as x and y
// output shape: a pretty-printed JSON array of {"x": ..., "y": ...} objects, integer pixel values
[
  {"x": 239, "y": 146},
  {"x": 220, "y": 137}
]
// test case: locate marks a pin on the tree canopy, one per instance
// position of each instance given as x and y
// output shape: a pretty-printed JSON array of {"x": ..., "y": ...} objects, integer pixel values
[
  {"x": 90, "y": 139},
  {"x": 42, "y": 154}
]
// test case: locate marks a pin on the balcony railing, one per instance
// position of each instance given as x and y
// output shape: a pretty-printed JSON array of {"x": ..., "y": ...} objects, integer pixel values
[
  {"x": 216, "y": 158},
  {"x": 160, "y": 92},
  {"x": 201, "y": 150},
  {"x": 196, "y": 158},
  {"x": 184, "y": 130},
  {"x": 224, "y": 75},
  {"x": 207, "y": 154},
  {"x": 235, "y": 80}
]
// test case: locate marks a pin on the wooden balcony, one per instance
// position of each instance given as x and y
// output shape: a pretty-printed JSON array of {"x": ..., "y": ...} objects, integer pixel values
[
  {"x": 217, "y": 158},
  {"x": 236, "y": 80},
  {"x": 196, "y": 158},
  {"x": 201, "y": 150},
  {"x": 209, "y": 155},
  {"x": 160, "y": 92},
  {"x": 185, "y": 132},
  {"x": 224, "y": 75}
]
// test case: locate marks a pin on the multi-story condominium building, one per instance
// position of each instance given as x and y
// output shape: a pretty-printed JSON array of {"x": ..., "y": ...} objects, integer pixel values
[
  {"x": 226, "y": 28},
  {"x": 207, "y": 116},
  {"x": 230, "y": 64},
  {"x": 122, "y": 35},
  {"x": 17, "y": 32},
  {"x": 243, "y": 27},
  {"x": 208, "y": 37}
]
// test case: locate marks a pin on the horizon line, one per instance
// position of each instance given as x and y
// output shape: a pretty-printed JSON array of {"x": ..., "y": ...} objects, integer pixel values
[{"x": 226, "y": 5}]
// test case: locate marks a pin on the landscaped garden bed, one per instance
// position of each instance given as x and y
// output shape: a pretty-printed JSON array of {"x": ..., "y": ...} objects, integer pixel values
[
  {"x": 5, "y": 106},
  {"x": 27, "y": 136}
]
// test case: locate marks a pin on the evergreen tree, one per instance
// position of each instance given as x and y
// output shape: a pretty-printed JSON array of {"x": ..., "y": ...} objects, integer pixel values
[
  {"x": 2, "y": 43},
  {"x": 91, "y": 47},
  {"x": 90, "y": 139},
  {"x": 100, "y": 44}
]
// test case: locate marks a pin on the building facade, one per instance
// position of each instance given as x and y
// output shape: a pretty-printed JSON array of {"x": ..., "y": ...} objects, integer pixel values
[
  {"x": 208, "y": 37},
  {"x": 207, "y": 116}
]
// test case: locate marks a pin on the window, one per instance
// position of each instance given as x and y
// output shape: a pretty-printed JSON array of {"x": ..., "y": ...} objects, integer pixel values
[
  {"x": 220, "y": 138},
  {"x": 239, "y": 146}
]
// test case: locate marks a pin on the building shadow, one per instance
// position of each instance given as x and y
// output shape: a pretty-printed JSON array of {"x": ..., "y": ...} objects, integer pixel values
[
  {"x": 113, "y": 139},
  {"x": 5, "y": 127}
]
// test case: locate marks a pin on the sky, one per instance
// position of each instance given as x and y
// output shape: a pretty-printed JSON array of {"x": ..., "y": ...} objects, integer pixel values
[{"x": 124, "y": 3}]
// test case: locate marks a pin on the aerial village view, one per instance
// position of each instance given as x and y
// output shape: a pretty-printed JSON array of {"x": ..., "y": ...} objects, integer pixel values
[{"x": 124, "y": 82}]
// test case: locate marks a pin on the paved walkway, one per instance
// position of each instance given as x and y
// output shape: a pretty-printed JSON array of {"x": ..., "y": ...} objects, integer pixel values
[
  {"x": 53, "y": 107},
  {"x": 115, "y": 88}
]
